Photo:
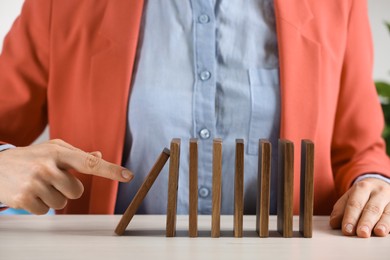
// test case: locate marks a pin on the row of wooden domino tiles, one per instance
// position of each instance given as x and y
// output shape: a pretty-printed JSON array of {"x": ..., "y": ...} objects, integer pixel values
[{"x": 285, "y": 188}]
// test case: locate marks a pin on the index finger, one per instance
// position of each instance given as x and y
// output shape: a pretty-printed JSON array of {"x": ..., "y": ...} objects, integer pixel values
[{"x": 89, "y": 164}]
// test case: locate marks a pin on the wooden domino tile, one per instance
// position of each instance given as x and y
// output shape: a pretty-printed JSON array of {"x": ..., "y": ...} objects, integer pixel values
[
  {"x": 263, "y": 188},
  {"x": 285, "y": 189},
  {"x": 217, "y": 188},
  {"x": 142, "y": 191},
  {"x": 193, "y": 189},
  {"x": 173, "y": 182},
  {"x": 239, "y": 189},
  {"x": 307, "y": 189}
]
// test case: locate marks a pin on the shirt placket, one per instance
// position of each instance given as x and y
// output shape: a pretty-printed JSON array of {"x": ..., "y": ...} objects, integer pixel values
[{"x": 204, "y": 125}]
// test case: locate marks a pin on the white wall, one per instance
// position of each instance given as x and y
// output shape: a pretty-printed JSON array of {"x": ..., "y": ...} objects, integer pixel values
[
  {"x": 379, "y": 11},
  {"x": 9, "y": 10}
]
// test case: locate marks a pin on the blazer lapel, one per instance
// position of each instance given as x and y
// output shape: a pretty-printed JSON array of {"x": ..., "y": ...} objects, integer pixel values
[
  {"x": 300, "y": 77},
  {"x": 111, "y": 70},
  {"x": 300, "y": 62},
  {"x": 296, "y": 12}
]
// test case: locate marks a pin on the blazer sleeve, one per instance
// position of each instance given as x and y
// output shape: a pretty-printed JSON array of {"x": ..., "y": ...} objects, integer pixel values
[
  {"x": 357, "y": 145},
  {"x": 24, "y": 74}
]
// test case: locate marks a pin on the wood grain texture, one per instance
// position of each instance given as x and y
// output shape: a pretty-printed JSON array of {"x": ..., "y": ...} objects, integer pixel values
[
  {"x": 193, "y": 189},
  {"x": 173, "y": 183},
  {"x": 239, "y": 189},
  {"x": 217, "y": 188},
  {"x": 307, "y": 189},
  {"x": 263, "y": 188},
  {"x": 142, "y": 191},
  {"x": 285, "y": 188}
]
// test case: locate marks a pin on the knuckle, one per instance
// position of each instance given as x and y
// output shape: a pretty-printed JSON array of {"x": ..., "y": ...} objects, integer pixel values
[
  {"x": 372, "y": 209},
  {"x": 52, "y": 146},
  {"x": 52, "y": 151},
  {"x": 363, "y": 184},
  {"x": 37, "y": 169},
  {"x": 355, "y": 204},
  {"x": 92, "y": 162},
  {"x": 56, "y": 141},
  {"x": 381, "y": 190}
]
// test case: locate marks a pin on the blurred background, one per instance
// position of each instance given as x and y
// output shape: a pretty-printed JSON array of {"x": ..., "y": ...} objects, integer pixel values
[{"x": 379, "y": 13}]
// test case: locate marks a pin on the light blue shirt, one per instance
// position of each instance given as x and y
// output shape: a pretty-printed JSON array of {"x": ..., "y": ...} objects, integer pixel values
[{"x": 204, "y": 69}]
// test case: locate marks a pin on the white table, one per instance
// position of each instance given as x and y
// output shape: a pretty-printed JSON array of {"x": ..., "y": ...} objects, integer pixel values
[{"x": 92, "y": 237}]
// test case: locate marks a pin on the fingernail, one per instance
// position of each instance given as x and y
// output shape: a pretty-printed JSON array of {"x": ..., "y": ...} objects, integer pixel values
[
  {"x": 365, "y": 229},
  {"x": 349, "y": 228},
  {"x": 381, "y": 228},
  {"x": 127, "y": 175}
]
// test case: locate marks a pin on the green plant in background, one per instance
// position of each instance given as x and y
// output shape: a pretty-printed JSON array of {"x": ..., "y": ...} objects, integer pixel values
[{"x": 383, "y": 89}]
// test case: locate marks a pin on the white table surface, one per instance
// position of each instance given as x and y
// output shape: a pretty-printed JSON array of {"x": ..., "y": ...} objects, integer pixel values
[{"x": 92, "y": 237}]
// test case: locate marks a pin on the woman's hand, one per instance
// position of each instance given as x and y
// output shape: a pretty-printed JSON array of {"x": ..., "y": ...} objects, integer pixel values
[
  {"x": 36, "y": 178},
  {"x": 364, "y": 209}
]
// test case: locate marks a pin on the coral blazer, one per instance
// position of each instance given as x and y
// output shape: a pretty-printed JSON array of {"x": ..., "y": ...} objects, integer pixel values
[{"x": 69, "y": 64}]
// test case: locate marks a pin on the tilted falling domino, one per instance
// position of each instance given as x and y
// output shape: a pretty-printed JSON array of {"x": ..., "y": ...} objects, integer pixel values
[
  {"x": 142, "y": 191},
  {"x": 285, "y": 189}
]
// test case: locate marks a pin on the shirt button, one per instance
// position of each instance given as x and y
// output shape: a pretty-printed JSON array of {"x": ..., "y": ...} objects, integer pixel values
[
  {"x": 204, "y": 192},
  {"x": 204, "y": 133},
  {"x": 204, "y": 18},
  {"x": 205, "y": 75}
]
